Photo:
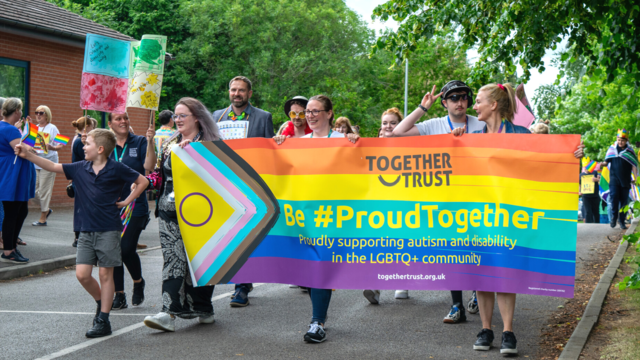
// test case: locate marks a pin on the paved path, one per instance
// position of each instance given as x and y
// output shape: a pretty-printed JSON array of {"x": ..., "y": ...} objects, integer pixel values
[{"x": 46, "y": 316}]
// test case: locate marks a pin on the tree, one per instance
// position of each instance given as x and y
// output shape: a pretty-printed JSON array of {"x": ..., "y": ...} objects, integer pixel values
[
  {"x": 545, "y": 98},
  {"x": 508, "y": 33}
]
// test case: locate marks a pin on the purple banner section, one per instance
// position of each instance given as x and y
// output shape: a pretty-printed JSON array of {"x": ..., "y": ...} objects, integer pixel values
[{"x": 318, "y": 274}]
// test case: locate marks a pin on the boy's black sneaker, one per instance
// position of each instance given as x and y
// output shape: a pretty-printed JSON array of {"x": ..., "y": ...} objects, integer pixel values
[
  {"x": 119, "y": 301},
  {"x": 100, "y": 328},
  {"x": 316, "y": 333},
  {"x": 484, "y": 340},
  {"x": 138, "y": 293},
  {"x": 509, "y": 343}
]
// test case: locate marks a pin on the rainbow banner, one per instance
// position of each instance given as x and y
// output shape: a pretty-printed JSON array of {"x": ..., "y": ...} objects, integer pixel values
[{"x": 489, "y": 212}]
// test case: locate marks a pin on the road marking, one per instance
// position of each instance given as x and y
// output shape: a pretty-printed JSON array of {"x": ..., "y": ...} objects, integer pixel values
[
  {"x": 92, "y": 342},
  {"x": 67, "y": 313}
]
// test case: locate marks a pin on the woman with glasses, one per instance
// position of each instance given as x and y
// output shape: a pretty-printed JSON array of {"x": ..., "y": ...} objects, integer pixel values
[
  {"x": 496, "y": 106},
  {"x": 46, "y": 150},
  {"x": 179, "y": 295},
  {"x": 319, "y": 114},
  {"x": 131, "y": 150},
  {"x": 297, "y": 127}
]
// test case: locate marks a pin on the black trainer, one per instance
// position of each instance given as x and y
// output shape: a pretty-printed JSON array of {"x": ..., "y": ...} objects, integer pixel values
[
  {"x": 138, "y": 293},
  {"x": 316, "y": 333},
  {"x": 119, "y": 301},
  {"x": 100, "y": 328},
  {"x": 509, "y": 343},
  {"x": 484, "y": 340}
]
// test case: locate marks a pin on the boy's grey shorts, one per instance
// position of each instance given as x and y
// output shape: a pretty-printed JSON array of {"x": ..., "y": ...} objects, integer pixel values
[{"x": 99, "y": 248}]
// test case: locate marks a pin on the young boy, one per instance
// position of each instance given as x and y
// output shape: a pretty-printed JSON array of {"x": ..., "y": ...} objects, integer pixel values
[{"x": 99, "y": 182}]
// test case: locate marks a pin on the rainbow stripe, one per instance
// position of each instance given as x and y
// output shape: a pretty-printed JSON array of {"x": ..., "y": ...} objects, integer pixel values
[
  {"x": 61, "y": 139},
  {"x": 529, "y": 175},
  {"x": 30, "y": 134},
  {"x": 591, "y": 166}
]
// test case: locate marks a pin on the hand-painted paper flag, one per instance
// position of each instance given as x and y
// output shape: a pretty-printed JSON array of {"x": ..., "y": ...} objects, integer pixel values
[
  {"x": 210, "y": 176},
  {"x": 61, "y": 139},
  {"x": 30, "y": 134}
]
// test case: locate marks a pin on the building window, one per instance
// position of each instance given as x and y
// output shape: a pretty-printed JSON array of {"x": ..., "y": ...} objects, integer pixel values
[{"x": 14, "y": 81}]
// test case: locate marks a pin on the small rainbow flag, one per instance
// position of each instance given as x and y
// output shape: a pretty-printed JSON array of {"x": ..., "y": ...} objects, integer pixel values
[
  {"x": 30, "y": 135},
  {"x": 61, "y": 139},
  {"x": 591, "y": 166}
]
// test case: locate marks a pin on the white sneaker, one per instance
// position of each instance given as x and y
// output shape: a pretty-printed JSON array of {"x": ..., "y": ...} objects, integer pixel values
[
  {"x": 402, "y": 294},
  {"x": 293, "y": 286},
  {"x": 372, "y": 295},
  {"x": 161, "y": 321},
  {"x": 206, "y": 320}
]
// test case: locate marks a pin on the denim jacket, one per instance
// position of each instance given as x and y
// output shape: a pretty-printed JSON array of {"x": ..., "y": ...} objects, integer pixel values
[{"x": 509, "y": 128}]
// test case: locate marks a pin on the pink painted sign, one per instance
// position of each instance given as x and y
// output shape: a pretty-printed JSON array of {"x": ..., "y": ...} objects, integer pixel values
[{"x": 103, "y": 93}]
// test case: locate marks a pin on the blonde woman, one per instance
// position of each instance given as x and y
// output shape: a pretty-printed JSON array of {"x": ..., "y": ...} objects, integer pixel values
[{"x": 45, "y": 179}]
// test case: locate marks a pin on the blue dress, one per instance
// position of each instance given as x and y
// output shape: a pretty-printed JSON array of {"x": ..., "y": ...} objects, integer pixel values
[{"x": 17, "y": 181}]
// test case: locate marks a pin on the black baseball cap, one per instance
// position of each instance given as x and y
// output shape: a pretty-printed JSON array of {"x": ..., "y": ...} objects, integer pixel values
[{"x": 456, "y": 85}]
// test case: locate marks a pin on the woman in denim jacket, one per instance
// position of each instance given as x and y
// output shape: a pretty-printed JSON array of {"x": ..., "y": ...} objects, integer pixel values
[{"x": 496, "y": 106}]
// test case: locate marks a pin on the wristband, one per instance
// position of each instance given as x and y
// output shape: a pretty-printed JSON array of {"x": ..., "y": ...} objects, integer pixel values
[{"x": 423, "y": 108}]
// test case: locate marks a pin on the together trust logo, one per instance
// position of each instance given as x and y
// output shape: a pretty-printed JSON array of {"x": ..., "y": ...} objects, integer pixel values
[{"x": 418, "y": 170}]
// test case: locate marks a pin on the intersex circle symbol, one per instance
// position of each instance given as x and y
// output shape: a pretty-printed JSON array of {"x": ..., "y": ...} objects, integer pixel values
[{"x": 210, "y": 209}]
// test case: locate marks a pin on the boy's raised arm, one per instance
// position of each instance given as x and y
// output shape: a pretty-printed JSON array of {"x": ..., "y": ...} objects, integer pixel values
[{"x": 24, "y": 151}]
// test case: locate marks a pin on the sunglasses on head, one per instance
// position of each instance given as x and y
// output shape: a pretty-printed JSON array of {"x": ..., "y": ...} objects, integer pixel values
[
  {"x": 39, "y": 113},
  {"x": 457, "y": 97},
  {"x": 293, "y": 114}
]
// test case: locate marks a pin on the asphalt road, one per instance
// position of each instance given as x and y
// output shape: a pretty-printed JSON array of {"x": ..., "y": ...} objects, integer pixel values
[{"x": 46, "y": 316}]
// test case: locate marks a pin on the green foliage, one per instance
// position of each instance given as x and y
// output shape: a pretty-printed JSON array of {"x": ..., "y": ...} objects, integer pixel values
[
  {"x": 286, "y": 48},
  {"x": 545, "y": 97},
  {"x": 597, "y": 109},
  {"x": 633, "y": 281},
  {"x": 507, "y": 33}
]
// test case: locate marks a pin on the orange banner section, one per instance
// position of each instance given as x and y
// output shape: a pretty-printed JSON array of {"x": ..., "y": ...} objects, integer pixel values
[
  {"x": 393, "y": 161},
  {"x": 547, "y": 143}
]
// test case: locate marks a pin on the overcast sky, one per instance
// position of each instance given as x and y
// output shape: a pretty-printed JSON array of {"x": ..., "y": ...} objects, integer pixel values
[{"x": 365, "y": 9}]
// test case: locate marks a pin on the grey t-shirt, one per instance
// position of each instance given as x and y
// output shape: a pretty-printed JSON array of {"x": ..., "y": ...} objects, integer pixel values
[{"x": 440, "y": 126}]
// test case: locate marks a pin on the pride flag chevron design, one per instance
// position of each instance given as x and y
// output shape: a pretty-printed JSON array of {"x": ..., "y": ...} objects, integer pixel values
[
  {"x": 488, "y": 212},
  {"x": 224, "y": 209},
  {"x": 30, "y": 134}
]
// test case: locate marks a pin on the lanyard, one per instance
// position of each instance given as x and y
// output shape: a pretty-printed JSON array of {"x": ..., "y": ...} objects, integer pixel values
[
  {"x": 499, "y": 130},
  {"x": 328, "y": 136},
  {"x": 122, "y": 155},
  {"x": 451, "y": 125}
]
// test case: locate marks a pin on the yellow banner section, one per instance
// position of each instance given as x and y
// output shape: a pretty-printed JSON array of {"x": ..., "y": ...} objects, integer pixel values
[{"x": 525, "y": 193}]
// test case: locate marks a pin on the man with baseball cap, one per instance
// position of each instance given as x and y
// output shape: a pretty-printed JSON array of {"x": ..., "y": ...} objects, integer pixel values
[
  {"x": 623, "y": 162},
  {"x": 456, "y": 98}
]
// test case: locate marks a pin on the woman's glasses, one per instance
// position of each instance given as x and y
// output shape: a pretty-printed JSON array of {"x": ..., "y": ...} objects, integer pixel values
[
  {"x": 181, "y": 116},
  {"x": 293, "y": 114},
  {"x": 39, "y": 112},
  {"x": 313, "y": 112}
]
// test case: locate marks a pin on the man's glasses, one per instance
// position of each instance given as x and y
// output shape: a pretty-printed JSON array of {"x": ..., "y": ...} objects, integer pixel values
[
  {"x": 39, "y": 112},
  {"x": 313, "y": 112},
  {"x": 293, "y": 114},
  {"x": 181, "y": 116},
  {"x": 457, "y": 97}
]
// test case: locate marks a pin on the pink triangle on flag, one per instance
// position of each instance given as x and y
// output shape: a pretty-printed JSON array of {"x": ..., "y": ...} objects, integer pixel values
[{"x": 523, "y": 116}]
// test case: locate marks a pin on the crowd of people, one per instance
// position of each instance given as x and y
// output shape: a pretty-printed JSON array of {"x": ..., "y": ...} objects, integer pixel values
[{"x": 112, "y": 169}]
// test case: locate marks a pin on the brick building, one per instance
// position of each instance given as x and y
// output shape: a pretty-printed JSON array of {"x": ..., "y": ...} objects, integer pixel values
[{"x": 41, "y": 58}]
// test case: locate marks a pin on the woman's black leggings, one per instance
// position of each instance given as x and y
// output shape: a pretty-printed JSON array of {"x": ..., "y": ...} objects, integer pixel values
[
  {"x": 130, "y": 258},
  {"x": 14, "y": 214}
]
